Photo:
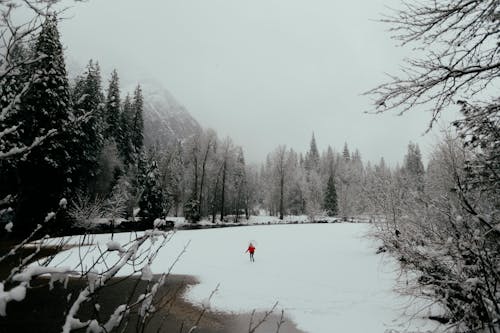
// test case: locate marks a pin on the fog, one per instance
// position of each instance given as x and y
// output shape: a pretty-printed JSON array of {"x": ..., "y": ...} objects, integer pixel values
[{"x": 265, "y": 72}]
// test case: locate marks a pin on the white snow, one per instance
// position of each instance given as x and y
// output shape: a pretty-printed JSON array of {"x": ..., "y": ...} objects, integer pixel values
[
  {"x": 158, "y": 223},
  {"x": 326, "y": 277},
  {"x": 49, "y": 216},
  {"x": 18, "y": 293},
  {"x": 146, "y": 273},
  {"x": 9, "y": 226},
  {"x": 63, "y": 203},
  {"x": 114, "y": 246},
  {"x": 56, "y": 273}
]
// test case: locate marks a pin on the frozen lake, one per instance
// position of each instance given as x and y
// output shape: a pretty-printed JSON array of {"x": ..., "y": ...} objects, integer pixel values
[{"x": 326, "y": 277}]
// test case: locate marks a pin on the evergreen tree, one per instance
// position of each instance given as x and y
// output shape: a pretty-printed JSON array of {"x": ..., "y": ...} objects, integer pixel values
[
  {"x": 312, "y": 157},
  {"x": 480, "y": 130},
  {"x": 346, "y": 153},
  {"x": 152, "y": 200},
  {"x": 330, "y": 203},
  {"x": 137, "y": 124},
  {"x": 191, "y": 209},
  {"x": 43, "y": 175},
  {"x": 413, "y": 167},
  {"x": 88, "y": 140},
  {"x": 113, "y": 108},
  {"x": 125, "y": 137},
  {"x": 11, "y": 84}
]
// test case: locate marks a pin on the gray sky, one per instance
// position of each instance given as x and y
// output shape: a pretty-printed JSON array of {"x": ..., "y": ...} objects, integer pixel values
[{"x": 265, "y": 72}]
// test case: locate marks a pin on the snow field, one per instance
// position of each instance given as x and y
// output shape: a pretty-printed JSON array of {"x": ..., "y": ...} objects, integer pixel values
[{"x": 326, "y": 277}]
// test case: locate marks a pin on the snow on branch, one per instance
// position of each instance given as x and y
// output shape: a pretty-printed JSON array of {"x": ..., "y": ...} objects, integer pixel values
[{"x": 129, "y": 254}]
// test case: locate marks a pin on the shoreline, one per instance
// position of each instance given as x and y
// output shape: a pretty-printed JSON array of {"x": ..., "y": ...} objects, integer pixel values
[{"x": 43, "y": 310}]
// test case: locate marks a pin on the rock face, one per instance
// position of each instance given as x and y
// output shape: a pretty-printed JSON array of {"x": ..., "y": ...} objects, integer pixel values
[{"x": 165, "y": 119}]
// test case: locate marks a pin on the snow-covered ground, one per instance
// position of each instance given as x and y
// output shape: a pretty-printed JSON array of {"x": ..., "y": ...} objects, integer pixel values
[{"x": 327, "y": 277}]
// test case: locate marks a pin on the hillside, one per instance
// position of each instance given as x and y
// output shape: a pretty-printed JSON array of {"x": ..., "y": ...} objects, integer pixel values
[{"x": 164, "y": 118}]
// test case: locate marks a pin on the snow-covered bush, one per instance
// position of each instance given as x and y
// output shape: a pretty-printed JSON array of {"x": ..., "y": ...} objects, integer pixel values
[
  {"x": 84, "y": 210},
  {"x": 448, "y": 236},
  {"x": 446, "y": 229}
]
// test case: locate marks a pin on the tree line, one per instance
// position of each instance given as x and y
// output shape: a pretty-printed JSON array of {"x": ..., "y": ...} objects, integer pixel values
[{"x": 61, "y": 139}]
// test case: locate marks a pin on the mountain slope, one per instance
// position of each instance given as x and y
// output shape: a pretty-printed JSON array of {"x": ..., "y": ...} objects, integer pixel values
[{"x": 165, "y": 119}]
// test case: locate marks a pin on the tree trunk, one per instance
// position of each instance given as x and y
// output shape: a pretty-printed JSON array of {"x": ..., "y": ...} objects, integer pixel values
[
  {"x": 282, "y": 185},
  {"x": 202, "y": 180},
  {"x": 195, "y": 185},
  {"x": 223, "y": 190}
]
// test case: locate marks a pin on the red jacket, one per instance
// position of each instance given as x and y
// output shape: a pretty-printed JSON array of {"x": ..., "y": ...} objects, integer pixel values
[{"x": 251, "y": 249}]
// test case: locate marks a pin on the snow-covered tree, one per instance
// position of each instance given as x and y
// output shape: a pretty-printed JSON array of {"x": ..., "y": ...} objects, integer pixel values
[
  {"x": 88, "y": 141},
  {"x": 44, "y": 109},
  {"x": 314, "y": 195},
  {"x": 330, "y": 201},
  {"x": 413, "y": 168},
  {"x": 447, "y": 232},
  {"x": 312, "y": 156},
  {"x": 113, "y": 108},
  {"x": 480, "y": 129},
  {"x": 125, "y": 144},
  {"x": 225, "y": 167},
  {"x": 281, "y": 172},
  {"x": 152, "y": 199},
  {"x": 240, "y": 184},
  {"x": 208, "y": 149},
  {"x": 345, "y": 152},
  {"x": 137, "y": 123}
]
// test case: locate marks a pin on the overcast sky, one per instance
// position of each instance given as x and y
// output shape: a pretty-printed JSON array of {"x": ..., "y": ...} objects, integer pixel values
[{"x": 265, "y": 72}]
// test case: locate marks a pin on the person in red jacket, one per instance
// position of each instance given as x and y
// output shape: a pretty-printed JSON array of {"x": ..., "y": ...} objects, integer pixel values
[{"x": 251, "y": 250}]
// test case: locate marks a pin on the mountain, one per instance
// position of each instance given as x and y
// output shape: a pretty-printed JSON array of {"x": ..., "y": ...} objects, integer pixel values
[{"x": 164, "y": 118}]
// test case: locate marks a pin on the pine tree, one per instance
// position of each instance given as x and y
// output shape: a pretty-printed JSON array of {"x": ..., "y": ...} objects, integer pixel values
[
  {"x": 191, "y": 209},
  {"x": 312, "y": 157},
  {"x": 88, "y": 140},
  {"x": 125, "y": 137},
  {"x": 330, "y": 203},
  {"x": 480, "y": 130},
  {"x": 43, "y": 176},
  {"x": 346, "y": 153},
  {"x": 137, "y": 124},
  {"x": 413, "y": 167},
  {"x": 153, "y": 198},
  {"x": 113, "y": 108},
  {"x": 11, "y": 85}
]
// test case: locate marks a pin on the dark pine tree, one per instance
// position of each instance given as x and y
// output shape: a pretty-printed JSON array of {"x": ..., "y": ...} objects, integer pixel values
[
  {"x": 88, "y": 140},
  {"x": 152, "y": 201},
  {"x": 11, "y": 85},
  {"x": 125, "y": 138},
  {"x": 330, "y": 204},
  {"x": 44, "y": 175},
  {"x": 112, "y": 112},
  {"x": 137, "y": 124}
]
